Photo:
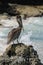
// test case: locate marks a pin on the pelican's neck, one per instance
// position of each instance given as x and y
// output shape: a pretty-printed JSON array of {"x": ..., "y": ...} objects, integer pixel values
[
  {"x": 20, "y": 25},
  {"x": 19, "y": 20}
]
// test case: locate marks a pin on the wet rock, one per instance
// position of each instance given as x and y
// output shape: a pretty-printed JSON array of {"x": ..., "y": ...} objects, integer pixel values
[{"x": 20, "y": 54}]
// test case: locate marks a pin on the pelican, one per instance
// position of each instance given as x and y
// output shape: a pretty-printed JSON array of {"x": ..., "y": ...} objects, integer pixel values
[{"x": 15, "y": 32}]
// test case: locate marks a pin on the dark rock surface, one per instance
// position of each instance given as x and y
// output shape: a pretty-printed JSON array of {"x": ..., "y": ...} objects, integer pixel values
[{"x": 19, "y": 54}]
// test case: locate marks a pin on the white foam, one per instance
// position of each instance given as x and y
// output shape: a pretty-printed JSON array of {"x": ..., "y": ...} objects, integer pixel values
[
  {"x": 9, "y": 22},
  {"x": 26, "y": 38}
]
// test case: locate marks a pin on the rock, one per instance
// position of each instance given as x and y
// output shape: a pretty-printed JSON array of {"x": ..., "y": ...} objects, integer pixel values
[
  {"x": 20, "y": 55},
  {"x": 28, "y": 10}
]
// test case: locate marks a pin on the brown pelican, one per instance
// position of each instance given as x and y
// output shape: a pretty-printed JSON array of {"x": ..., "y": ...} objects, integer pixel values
[{"x": 14, "y": 33}]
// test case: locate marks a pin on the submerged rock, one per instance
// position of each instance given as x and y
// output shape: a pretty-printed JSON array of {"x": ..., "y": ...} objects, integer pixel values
[{"x": 20, "y": 54}]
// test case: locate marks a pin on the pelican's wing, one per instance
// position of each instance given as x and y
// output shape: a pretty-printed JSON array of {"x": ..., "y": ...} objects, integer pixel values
[{"x": 10, "y": 36}]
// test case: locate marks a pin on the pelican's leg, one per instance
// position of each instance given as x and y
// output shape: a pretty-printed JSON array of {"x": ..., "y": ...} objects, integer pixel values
[{"x": 17, "y": 41}]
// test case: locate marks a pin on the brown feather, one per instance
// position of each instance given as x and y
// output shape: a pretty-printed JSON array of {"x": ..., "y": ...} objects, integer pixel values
[{"x": 10, "y": 34}]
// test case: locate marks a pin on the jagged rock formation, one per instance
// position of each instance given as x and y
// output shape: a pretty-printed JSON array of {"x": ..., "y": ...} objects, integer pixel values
[
  {"x": 19, "y": 54},
  {"x": 15, "y": 9},
  {"x": 30, "y": 9},
  {"x": 27, "y": 10}
]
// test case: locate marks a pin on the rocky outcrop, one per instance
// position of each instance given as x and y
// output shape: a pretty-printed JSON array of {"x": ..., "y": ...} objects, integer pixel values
[
  {"x": 30, "y": 10},
  {"x": 15, "y": 9},
  {"x": 20, "y": 54}
]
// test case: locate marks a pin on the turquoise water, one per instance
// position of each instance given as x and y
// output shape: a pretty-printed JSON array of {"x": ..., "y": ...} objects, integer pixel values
[{"x": 32, "y": 34}]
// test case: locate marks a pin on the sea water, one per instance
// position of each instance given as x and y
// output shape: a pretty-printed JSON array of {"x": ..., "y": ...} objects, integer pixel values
[{"x": 31, "y": 35}]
